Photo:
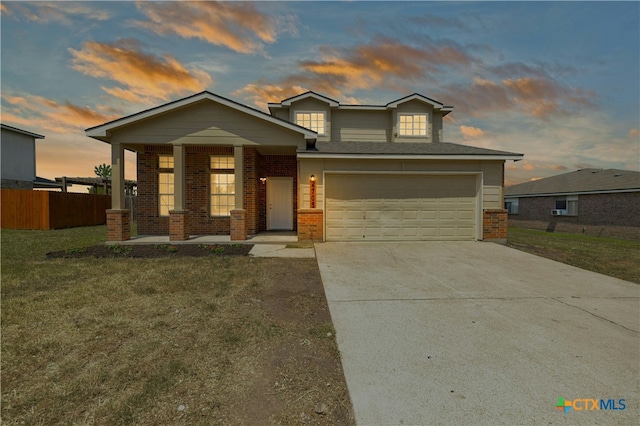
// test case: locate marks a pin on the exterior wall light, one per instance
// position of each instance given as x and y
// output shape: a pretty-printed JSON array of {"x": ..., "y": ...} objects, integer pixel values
[
  {"x": 312, "y": 191},
  {"x": 263, "y": 180}
]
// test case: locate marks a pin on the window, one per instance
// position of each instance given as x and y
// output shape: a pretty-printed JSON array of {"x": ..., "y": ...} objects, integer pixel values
[
  {"x": 412, "y": 124},
  {"x": 511, "y": 205},
  {"x": 165, "y": 184},
  {"x": 567, "y": 205},
  {"x": 223, "y": 185},
  {"x": 312, "y": 120}
]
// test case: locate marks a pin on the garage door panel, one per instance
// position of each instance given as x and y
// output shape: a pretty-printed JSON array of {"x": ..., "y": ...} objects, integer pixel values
[{"x": 400, "y": 207}]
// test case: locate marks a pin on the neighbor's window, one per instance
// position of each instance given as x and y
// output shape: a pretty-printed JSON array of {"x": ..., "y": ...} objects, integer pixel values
[
  {"x": 412, "y": 124},
  {"x": 223, "y": 185},
  {"x": 511, "y": 205},
  {"x": 165, "y": 184},
  {"x": 567, "y": 205},
  {"x": 312, "y": 120}
]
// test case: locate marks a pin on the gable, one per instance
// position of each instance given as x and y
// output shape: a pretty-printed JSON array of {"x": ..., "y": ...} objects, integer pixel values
[{"x": 206, "y": 123}]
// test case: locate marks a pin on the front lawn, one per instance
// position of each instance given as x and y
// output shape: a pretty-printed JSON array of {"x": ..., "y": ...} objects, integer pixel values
[
  {"x": 173, "y": 340},
  {"x": 608, "y": 256}
]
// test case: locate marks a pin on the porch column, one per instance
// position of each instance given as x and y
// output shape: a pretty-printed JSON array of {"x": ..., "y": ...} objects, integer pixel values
[
  {"x": 238, "y": 214},
  {"x": 178, "y": 178},
  {"x": 179, "y": 229},
  {"x": 118, "y": 219},
  {"x": 117, "y": 177},
  {"x": 238, "y": 158}
]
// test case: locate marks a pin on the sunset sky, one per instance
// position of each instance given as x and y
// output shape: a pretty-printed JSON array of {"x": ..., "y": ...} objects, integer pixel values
[{"x": 557, "y": 81}]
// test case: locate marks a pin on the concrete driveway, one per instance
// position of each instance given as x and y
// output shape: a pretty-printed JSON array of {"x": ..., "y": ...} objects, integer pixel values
[{"x": 478, "y": 333}]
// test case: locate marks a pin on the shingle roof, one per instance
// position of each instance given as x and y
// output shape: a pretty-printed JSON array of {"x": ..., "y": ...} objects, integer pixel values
[
  {"x": 392, "y": 148},
  {"x": 580, "y": 181}
]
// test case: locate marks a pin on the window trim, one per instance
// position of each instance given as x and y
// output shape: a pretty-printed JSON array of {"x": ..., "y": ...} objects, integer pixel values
[
  {"x": 413, "y": 114},
  {"x": 324, "y": 120},
  {"x": 165, "y": 171},
  {"x": 221, "y": 171}
]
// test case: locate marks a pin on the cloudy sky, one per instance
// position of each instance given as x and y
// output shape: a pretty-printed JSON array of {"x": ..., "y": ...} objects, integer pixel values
[{"x": 557, "y": 81}]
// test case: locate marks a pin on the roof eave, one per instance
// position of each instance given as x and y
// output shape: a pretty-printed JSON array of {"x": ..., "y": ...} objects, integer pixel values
[
  {"x": 465, "y": 157},
  {"x": 101, "y": 132}
]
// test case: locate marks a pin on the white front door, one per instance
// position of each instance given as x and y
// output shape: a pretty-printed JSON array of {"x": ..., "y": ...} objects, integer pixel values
[{"x": 279, "y": 203}]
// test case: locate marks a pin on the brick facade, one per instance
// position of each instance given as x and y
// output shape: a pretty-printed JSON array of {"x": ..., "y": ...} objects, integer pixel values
[
  {"x": 179, "y": 229},
  {"x": 118, "y": 225},
  {"x": 238, "y": 225},
  {"x": 197, "y": 189},
  {"x": 310, "y": 224},
  {"x": 494, "y": 225},
  {"x": 619, "y": 209}
]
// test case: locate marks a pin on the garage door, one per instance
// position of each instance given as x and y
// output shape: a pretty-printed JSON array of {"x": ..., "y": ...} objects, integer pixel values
[{"x": 380, "y": 207}]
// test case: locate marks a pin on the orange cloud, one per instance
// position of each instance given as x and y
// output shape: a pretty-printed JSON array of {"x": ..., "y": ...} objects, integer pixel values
[
  {"x": 471, "y": 132},
  {"x": 238, "y": 26},
  {"x": 144, "y": 77},
  {"x": 540, "y": 97},
  {"x": 43, "y": 115},
  {"x": 56, "y": 11},
  {"x": 384, "y": 62}
]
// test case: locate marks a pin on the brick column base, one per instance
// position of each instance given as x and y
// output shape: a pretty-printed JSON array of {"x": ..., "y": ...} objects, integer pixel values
[
  {"x": 238, "y": 225},
  {"x": 118, "y": 225},
  {"x": 179, "y": 229},
  {"x": 494, "y": 225},
  {"x": 310, "y": 225}
]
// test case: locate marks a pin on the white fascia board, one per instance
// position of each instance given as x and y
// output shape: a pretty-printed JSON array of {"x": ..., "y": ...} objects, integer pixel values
[
  {"x": 102, "y": 131},
  {"x": 562, "y": 194},
  {"x": 321, "y": 98},
  {"x": 407, "y": 156},
  {"x": 434, "y": 103},
  {"x": 23, "y": 132}
]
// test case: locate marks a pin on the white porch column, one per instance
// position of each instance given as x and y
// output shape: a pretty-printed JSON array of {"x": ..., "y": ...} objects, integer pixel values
[
  {"x": 179, "y": 177},
  {"x": 117, "y": 177},
  {"x": 238, "y": 157}
]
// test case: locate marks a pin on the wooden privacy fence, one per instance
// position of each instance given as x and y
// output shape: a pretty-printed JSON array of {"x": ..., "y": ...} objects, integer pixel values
[{"x": 24, "y": 209}]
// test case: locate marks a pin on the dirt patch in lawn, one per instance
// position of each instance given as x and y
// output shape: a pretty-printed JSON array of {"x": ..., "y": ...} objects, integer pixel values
[
  {"x": 177, "y": 340},
  {"x": 150, "y": 251}
]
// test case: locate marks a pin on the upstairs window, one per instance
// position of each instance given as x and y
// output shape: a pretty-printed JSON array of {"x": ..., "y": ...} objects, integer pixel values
[
  {"x": 223, "y": 185},
  {"x": 412, "y": 124},
  {"x": 312, "y": 120},
  {"x": 165, "y": 184}
]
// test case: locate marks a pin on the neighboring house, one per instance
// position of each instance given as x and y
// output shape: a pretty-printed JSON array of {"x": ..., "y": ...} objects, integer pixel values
[
  {"x": 210, "y": 165},
  {"x": 584, "y": 197},
  {"x": 18, "y": 153}
]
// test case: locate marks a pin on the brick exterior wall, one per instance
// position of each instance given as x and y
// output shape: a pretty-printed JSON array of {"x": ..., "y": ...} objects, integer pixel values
[
  {"x": 179, "y": 225},
  {"x": 118, "y": 225},
  {"x": 494, "y": 225},
  {"x": 619, "y": 209},
  {"x": 238, "y": 225},
  {"x": 149, "y": 222},
  {"x": 197, "y": 174},
  {"x": 310, "y": 224}
]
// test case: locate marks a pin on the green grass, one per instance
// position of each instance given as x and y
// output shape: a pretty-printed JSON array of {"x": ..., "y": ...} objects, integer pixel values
[
  {"x": 129, "y": 341},
  {"x": 609, "y": 256}
]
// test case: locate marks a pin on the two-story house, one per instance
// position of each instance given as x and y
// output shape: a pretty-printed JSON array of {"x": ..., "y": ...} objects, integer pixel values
[{"x": 331, "y": 172}]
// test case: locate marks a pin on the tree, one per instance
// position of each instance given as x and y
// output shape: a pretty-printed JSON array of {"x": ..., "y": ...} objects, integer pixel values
[{"x": 103, "y": 171}]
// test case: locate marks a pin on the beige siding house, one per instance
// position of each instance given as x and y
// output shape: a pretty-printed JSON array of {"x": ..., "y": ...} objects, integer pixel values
[{"x": 330, "y": 172}]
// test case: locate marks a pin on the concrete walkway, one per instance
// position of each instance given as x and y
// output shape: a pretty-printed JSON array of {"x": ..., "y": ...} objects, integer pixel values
[
  {"x": 464, "y": 333},
  {"x": 266, "y": 244}
]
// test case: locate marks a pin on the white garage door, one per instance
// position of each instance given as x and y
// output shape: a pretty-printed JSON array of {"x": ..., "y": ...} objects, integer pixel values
[{"x": 380, "y": 207}]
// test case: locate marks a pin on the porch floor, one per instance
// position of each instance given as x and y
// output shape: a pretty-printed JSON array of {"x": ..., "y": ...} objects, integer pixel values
[{"x": 269, "y": 237}]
